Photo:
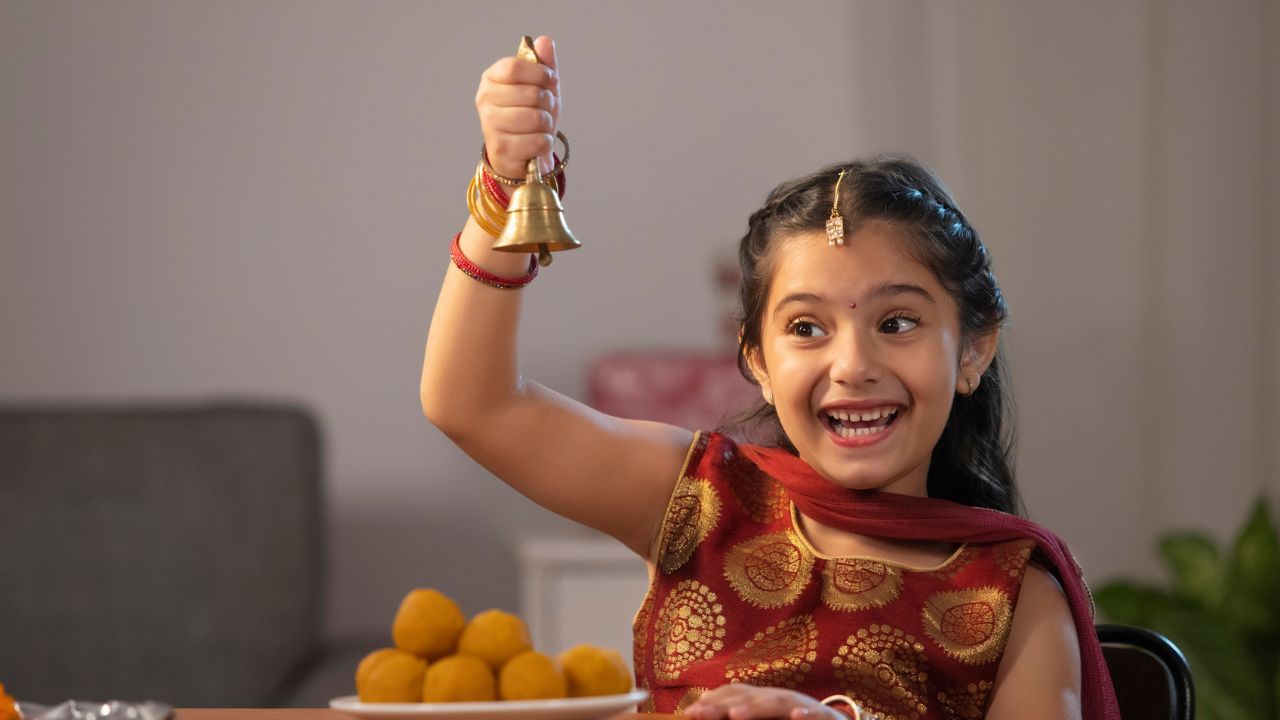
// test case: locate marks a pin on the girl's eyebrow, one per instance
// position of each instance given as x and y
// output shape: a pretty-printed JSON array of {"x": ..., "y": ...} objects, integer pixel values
[
  {"x": 900, "y": 289},
  {"x": 800, "y": 297},
  {"x": 884, "y": 290}
]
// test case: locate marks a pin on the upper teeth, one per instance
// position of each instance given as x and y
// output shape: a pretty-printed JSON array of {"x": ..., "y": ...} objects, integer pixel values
[{"x": 876, "y": 414}]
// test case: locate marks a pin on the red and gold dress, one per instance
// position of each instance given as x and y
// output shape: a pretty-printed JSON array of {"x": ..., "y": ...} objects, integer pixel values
[{"x": 739, "y": 595}]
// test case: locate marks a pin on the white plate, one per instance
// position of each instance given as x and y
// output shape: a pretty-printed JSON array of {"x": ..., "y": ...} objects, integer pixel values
[{"x": 586, "y": 708}]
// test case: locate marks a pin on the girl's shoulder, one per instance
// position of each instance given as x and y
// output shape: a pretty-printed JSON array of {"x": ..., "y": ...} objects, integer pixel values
[
  {"x": 715, "y": 460},
  {"x": 709, "y": 449},
  {"x": 714, "y": 455}
]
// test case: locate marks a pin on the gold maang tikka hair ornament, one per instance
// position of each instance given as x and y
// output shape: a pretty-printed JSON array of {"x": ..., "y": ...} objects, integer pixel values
[{"x": 835, "y": 223}]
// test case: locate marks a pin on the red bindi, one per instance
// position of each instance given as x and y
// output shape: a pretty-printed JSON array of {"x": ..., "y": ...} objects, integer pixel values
[{"x": 853, "y": 305}]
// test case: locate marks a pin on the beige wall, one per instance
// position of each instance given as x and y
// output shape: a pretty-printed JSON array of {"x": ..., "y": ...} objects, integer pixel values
[
  {"x": 204, "y": 199},
  {"x": 1115, "y": 156},
  {"x": 1269, "y": 29}
]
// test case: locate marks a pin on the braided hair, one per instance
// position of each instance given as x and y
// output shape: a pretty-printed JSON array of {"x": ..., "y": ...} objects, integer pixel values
[{"x": 972, "y": 462}]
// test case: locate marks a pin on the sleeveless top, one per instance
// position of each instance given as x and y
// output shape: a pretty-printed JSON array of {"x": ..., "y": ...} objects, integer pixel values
[{"x": 739, "y": 595}]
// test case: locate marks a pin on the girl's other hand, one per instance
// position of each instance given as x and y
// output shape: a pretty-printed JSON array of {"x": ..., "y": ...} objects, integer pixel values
[
  {"x": 747, "y": 702},
  {"x": 519, "y": 106}
]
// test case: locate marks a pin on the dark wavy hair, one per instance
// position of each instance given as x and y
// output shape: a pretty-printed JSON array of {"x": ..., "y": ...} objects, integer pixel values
[{"x": 972, "y": 462}]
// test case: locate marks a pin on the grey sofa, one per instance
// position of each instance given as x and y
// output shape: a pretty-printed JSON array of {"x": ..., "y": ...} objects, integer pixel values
[{"x": 168, "y": 552}]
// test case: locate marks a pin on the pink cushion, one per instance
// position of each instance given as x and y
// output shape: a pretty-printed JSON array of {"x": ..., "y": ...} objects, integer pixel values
[{"x": 693, "y": 390}]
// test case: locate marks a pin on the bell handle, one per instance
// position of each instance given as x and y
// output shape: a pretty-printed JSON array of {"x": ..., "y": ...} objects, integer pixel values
[
  {"x": 532, "y": 173},
  {"x": 526, "y": 52}
]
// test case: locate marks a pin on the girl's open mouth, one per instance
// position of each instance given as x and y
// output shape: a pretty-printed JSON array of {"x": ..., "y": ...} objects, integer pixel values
[{"x": 856, "y": 424}]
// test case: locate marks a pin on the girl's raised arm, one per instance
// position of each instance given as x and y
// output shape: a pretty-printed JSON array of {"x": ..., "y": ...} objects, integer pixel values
[{"x": 611, "y": 474}]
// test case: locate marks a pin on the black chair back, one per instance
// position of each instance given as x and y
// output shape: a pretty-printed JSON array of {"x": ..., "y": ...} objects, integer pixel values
[{"x": 1150, "y": 674}]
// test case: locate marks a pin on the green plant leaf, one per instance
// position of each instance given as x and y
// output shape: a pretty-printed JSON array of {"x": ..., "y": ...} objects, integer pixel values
[
  {"x": 1229, "y": 679},
  {"x": 1128, "y": 603},
  {"x": 1195, "y": 566},
  {"x": 1229, "y": 683},
  {"x": 1252, "y": 599},
  {"x": 1223, "y": 612}
]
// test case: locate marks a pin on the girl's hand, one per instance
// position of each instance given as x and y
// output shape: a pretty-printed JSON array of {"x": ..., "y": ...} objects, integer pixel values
[
  {"x": 519, "y": 106},
  {"x": 747, "y": 702}
]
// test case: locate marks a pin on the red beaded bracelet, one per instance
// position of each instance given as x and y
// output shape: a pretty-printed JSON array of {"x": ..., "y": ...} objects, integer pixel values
[
  {"x": 494, "y": 190},
  {"x": 478, "y": 273}
]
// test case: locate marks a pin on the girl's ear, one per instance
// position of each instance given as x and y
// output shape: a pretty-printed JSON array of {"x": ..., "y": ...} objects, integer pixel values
[
  {"x": 756, "y": 363},
  {"x": 975, "y": 361}
]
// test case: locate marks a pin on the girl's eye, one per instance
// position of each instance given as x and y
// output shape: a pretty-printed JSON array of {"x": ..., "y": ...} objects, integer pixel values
[
  {"x": 805, "y": 329},
  {"x": 899, "y": 324}
]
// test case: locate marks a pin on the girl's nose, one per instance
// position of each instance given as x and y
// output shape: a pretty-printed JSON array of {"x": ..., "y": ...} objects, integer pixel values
[{"x": 856, "y": 360}]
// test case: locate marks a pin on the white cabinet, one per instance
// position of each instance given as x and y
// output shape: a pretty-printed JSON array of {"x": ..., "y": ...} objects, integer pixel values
[{"x": 580, "y": 590}]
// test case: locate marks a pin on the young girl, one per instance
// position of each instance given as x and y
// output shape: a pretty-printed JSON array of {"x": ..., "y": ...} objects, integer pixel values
[{"x": 873, "y": 554}]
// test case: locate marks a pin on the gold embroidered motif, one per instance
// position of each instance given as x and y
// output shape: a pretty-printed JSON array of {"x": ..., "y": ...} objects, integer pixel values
[
  {"x": 956, "y": 564},
  {"x": 885, "y": 670},
  {"x": 690, "y": 628},
  {"x": 858, "y": 584},
  {"x": 972, "y": 626},
  {"x": 965, "y": 703},
  {"x": 690, "y": 697},
  {"x": 769, "y": 571},
  {"x": 692, "y": 513},
  {"x": 780, "y": 656},
  {"x": 761, "y": 497},
  {"x": 1013, "y": 556},
  {"x": 640, "y": 631}
]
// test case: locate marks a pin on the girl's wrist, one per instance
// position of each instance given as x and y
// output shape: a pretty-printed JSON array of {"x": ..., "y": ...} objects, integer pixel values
[
  {"x": 487, "y": 194},
  {"x": 516, "y": 171},
  {"x": 477, "y": 246}
]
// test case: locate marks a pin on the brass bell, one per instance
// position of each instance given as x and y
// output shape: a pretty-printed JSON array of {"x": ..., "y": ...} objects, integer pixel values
[
  {"x": 535, "y": 217},
  {"x": 535, "y": 220}
]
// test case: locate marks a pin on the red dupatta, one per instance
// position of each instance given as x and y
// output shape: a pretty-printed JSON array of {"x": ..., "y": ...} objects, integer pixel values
[{"x": 904, "y": 517}]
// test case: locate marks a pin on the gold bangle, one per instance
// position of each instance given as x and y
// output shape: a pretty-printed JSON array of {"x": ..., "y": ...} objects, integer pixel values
[
  {"x": 488, "y": 213},
  {"x": 493, "y": 204},
  {"x": 483, "y": 222},
  {"x": 494, "y": 212},
  {"x": 564, "y": 162},
  {"x": 858, "y": 712}
]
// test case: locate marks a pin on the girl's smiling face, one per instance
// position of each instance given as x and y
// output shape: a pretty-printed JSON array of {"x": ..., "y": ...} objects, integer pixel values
[{"x": 861, "y": 355}]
